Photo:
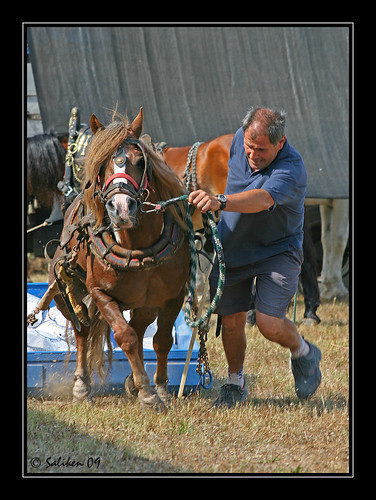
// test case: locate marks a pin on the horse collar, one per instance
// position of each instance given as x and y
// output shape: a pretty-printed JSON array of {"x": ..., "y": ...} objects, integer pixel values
[{"x": 104, "y": 246}]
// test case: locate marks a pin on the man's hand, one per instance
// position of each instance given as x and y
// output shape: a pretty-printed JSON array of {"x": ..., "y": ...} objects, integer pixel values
[
  {"x": 246, "y": 202},
  {"x": 204, "y": 201}
]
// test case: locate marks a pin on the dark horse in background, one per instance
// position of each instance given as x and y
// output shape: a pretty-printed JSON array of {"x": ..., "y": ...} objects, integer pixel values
[
  {"x": 210, "y": 164},
  {"x": 114, "y": 257},
  {"x": 45, "y": 159}
]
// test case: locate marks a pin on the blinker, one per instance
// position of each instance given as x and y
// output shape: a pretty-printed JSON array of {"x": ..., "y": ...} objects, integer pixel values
[{"x": 120, "y": 160}]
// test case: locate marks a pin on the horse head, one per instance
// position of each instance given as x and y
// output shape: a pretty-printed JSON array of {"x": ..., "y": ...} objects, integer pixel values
[{"x": 123, "y": 177}]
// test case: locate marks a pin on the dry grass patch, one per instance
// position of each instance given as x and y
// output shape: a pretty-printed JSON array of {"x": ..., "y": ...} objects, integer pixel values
[{"x": 272, "y": 433}]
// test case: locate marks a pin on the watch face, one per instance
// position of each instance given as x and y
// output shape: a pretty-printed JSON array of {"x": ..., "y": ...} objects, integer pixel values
[{"x": 222, "y": 200}]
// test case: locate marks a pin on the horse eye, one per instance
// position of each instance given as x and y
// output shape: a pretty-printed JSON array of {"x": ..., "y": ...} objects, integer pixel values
[{"x": 139, "y": 162}]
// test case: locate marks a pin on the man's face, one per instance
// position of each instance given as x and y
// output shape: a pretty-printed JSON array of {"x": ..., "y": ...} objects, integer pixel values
[{"x": 259, "y": 150}]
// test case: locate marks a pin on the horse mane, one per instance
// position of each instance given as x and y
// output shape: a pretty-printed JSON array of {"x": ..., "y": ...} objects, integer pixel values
[
  {"x": 103, "y": 144},
  {"x": 45, "y": 166},
  {"x": 168, "y": 184}
]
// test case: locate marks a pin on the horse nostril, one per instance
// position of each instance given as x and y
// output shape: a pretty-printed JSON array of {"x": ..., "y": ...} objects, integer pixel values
[
  {"x": 111, "y": 205},
  {"x": 132, "y": 204}
]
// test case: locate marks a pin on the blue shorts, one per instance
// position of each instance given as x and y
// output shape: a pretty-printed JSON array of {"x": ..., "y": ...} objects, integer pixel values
[{"x": 276, "y": 282}]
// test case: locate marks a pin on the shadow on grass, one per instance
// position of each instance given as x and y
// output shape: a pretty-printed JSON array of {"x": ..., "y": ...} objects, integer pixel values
[
  {"x": 57, "y": 448},
  {"x": 317, "y": 404}
]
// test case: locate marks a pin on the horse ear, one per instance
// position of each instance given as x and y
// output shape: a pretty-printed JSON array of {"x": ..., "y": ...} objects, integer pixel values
[
  {"x": 136, "y": 125},
  {"x": 95, "y": 124}
]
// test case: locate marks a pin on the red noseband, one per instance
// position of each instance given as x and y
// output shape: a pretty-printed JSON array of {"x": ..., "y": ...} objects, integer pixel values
[{"x": 121, "y": 176}]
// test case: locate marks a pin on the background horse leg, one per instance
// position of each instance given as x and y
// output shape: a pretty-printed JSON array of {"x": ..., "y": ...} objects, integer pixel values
[
  {"x": 308, "y": 278},
  {"x": 334, "y": 235},
  {"x": 162, "y": 343}
]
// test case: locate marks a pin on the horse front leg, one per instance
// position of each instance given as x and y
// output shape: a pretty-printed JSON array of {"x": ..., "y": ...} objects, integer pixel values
[
  {"x": 128, "y": 340},
  {"x": 162, "y": 343}
]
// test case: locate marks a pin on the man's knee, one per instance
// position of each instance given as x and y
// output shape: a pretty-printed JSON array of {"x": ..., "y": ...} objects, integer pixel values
[
  {"x": 234, "y": 323},
  {"x": 270, "y": 327}
]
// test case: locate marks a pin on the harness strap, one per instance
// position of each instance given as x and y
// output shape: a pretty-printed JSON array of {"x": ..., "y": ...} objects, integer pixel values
[{"x": 120, "y": 176}]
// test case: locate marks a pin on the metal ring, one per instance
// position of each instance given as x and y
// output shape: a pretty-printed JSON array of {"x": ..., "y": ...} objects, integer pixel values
[
  {"x": 204, "y": 376},
  {"x": 72, "y": 148}
]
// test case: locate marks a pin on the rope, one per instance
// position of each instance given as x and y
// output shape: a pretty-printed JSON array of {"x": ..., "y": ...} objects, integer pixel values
[
  {"x": 208, "y": 220},
  {"x": 222, "y": 271},
  {"x": 191, "y": 178}
]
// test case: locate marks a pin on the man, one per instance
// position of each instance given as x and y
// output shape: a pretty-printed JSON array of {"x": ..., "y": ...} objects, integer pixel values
[{"x": 261, "y": 230}]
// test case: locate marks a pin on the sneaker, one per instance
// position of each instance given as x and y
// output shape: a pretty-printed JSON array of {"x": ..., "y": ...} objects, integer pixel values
[
  {"x": 307, "y": 373},
  {"x": 230, "y": 395}
]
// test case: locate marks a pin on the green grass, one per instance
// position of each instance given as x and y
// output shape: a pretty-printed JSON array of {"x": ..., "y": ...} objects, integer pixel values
[{"x": 273, "y": 433}]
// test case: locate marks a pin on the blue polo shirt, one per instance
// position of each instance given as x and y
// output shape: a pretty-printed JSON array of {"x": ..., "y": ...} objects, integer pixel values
[{"x": 249, "y": 238}]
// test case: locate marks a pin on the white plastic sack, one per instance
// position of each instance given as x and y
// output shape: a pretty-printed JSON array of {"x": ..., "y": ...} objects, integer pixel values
[{"x": 52, "y": 332}]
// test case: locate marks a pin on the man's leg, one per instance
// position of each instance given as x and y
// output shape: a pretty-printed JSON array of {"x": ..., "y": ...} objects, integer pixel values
[
  {"x": 234, "y": 344},
  {"x": 280, "y": 330},
  {"x": 236, "y": 300},
  {"x": 234, "y": 341},
  {"x": 305, "y": 357},
  {"x": 277, "y": 281}
]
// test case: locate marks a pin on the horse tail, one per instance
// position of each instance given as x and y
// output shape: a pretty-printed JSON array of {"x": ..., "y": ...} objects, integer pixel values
[{"x": 98, "y": 339}]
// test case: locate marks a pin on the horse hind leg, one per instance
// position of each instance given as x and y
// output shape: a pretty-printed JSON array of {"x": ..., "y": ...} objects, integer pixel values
[{"x": 81, "y": 383}]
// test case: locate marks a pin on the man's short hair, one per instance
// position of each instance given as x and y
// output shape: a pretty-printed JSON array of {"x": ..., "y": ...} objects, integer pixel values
[{"x": 274, "y": 121}]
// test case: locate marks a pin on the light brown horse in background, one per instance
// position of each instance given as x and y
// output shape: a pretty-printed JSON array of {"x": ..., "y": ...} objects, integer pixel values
[
  {"x": 211, "y": 166},
  {"x": 106, "y": 237}
]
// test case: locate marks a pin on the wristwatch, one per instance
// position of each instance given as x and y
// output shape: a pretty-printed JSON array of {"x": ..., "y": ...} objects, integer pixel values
[{"x": 222, "y": 200}]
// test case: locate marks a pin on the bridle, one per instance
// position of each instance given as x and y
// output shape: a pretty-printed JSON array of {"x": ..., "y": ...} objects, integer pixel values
[{"x": 140, "y": 191}]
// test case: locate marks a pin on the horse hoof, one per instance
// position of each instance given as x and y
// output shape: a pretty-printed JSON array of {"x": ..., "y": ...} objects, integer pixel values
[
  {"x": 310, "y": 318},
  {"x": 149, "y": 398},
  {"x": 162, "y": 391},
  {"x": 81, "y": 389},
  {"x": 329, "y": 293},
  {"x": 130, "y": 388},
  {"x": 310, "y": 322}
]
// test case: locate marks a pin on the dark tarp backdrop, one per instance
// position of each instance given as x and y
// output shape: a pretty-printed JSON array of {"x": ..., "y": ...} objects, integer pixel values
[{"x": 197, "y": 82}]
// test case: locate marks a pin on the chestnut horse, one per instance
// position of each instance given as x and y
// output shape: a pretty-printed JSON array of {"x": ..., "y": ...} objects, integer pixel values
[
  {"x": 114, "y": 257},
  {"x": 212, "y": 166}
]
